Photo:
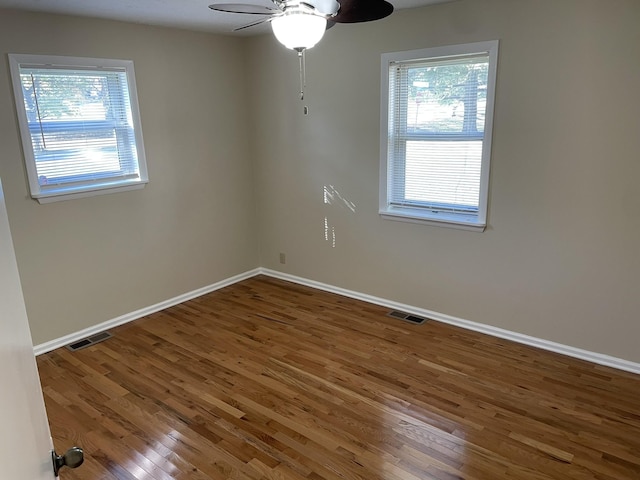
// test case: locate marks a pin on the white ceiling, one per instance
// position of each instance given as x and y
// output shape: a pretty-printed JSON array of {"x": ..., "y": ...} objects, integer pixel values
[{"x": 188, "y": 14}]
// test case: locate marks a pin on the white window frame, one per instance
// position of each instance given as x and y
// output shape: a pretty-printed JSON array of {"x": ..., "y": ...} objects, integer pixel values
[
  {"x": 47, "y": 194},
  {"x": 424, "y": 215}
]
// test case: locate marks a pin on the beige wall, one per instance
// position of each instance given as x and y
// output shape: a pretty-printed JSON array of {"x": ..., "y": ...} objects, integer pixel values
[
  {"x": 560, "y": 259},
  {"x": 86, "y": 261}
]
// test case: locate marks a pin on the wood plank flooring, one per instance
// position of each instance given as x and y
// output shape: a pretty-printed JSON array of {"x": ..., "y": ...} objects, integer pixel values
[{"x": 267, "y": 380}]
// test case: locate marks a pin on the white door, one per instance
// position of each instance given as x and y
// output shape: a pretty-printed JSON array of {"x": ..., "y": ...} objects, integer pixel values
[{"x": 25, "y": 439}]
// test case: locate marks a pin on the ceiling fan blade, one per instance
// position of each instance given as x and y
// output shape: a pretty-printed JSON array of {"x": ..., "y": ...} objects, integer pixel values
[
  {"x": 253, "y": 24},
  {"x": 354, "y": 11},
  {"x": 243, "y": 8}
]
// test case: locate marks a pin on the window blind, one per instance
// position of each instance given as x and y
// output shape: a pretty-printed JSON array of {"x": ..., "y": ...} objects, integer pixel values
[
  {"x": 80, "y": 124},
  {"x": 437, "y": 111}
]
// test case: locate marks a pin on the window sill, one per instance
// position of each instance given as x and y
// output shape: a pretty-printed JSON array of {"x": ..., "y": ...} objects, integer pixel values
[
  {"x": 447, "y": 220},
  {"x": 61, "y": 194}
]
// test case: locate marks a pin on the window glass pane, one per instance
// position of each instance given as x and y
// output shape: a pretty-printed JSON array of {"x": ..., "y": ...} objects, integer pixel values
[{"x": 448, "y": 98}]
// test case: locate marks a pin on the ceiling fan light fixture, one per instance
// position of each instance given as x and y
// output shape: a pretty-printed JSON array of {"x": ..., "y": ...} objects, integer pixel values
[{"x": 298, "y": 30}]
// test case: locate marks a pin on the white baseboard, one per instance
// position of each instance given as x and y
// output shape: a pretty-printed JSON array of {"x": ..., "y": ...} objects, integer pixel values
[
  {"x": 597, "y": 358},
  {"x": 129, "y": 317}
]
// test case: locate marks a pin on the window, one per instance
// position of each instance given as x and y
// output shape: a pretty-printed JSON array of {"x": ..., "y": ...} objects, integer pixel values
[
  {"x": 80, "y": 125},
  {"x": 437, "y": 111}
]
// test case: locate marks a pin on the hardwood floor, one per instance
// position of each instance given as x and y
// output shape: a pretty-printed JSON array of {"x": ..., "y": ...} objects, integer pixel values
[{"x": 270, "y": 380}]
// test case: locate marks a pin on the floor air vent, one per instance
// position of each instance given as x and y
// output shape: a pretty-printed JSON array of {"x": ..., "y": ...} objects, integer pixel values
[
  {"x": 85, "y": 342},
  {"x": 407, "y": 317}
]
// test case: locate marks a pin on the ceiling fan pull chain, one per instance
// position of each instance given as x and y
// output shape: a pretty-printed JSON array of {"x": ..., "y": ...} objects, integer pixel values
[{"x": 303, "y": 79}]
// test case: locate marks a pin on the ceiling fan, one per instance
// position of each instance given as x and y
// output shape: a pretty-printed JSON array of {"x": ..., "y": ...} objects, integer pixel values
[{"x": 300, "y": 24}]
